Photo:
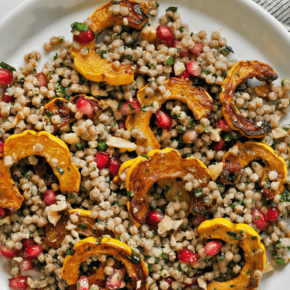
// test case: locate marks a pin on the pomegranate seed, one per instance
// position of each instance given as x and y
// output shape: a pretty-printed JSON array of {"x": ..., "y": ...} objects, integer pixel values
[
  {"x": 155, "y": 217},
  {"x": 184, "y": 75},
  {"x": 18, "y": 283},
  {"x": 212, "y": 248},
  {"x": 27, "y": 242},
  {"x": 7, "y": 99},
  {"x": 187, "y": 256},
  {"x": 169, "y": 280},
  {"x": 3, "y": 211},
  {"x": 129, "y": 108},
  {"x": 6, "y": 76},
  {"x": 193, "y": 282},
  {"x": 102, "y": 159},
  {"x": 272, "y": 214},
  {"x": 84, "y": 106},
  {"x": 193, "y": 68},
  {"x": 121, "y": 125},
  {"x": 189, "y": 136},
  {"x": 163, "y": 120},
  {"x": 114, "y": 281},
  {"x": 165, "y": 34},
  {"x": 42, "y": 80},
  {"x": 32, "y": 252},
  {"x": 259, "y": 219},
  {"x": 83, "y": 283},
  {"x": 222, "y": 124},
  {"x": 1, "y": 145},
  {"x": 49, "y": 197},
  {"x": 114, "y": 166},
  {"x": 183, "y": 51},
  {"x": 219, "y": 146},
  {"x": 197, "y": 49},
  {"x": 197, "y": 220},
  {"x": 85, "y": 36},
  {"x": 8, "y": 253},
  {"x": 26, "y": 265}
]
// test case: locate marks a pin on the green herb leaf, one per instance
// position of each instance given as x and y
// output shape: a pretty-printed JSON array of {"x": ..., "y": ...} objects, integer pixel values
[
  {"x": 170, "y": 61},
  {"x": 280, "y": 261},
  {"x": 102, "y": 53},
  {"x": 82, "y": 226},
  {"x": 79, "y": 146},
  {"x": 7, "y": 66},
  {"x": 102, "y": 146},
  {"x": 198, "y": 192},
  {"x": 79, "y": 26},
  {"x": 60, "y": 170},
  {"x": 172, "y": 8},
  {"x": 167, "y": 188},
  {"x": 145, "y": 156}
]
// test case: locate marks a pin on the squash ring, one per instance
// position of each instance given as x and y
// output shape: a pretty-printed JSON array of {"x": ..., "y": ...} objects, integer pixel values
[
  {"x": 97, "y": 69},
  {"x": 19, "y": 146},
  {"x": 59, "y": 106},
  {"x": 92, "y": 246},
  {"x": 249, "y": 152},
  {"x": 240, "y": 72},
  {"x": 56, "y": 234},
  {"x": 248, "y": 239},
  {"x": 162, "y": 164},
  {"x": 196, "y": 98}
]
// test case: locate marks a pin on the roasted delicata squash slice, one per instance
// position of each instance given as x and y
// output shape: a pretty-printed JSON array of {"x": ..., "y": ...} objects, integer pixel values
[
  {"x": 98, "y": 69},
  {"x": 196, "y": 98},
  {"x": 248, "y": 152},
  {"x": 60, "y": 107},
  {"x": 240, "y": 72},
  {"x": 89, "y": 247},
  {"x": 85, "y": 227},
  {"x": 248, "y": 239},
  {"x": 143, "y": 172},
  {"x": 29, "y": 143}
]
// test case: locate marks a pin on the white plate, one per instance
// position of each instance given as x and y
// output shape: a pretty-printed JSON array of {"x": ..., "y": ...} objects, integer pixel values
[{"x": 250, "y": 30}]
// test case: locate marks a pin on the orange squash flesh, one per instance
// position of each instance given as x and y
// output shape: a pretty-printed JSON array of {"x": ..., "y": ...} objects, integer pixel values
[
  {"x": 196, "y": 98},
  {"x": 248, "y": 152},
  {"x": 240, "y": 72},
  {"x": 59, "y": 106},
  {"x": 56, "y": 234},
  {"x": 162, "y": 164},
  {"x": 97, "y": 69},
  {"x": 89, "y": 247},
  {"x": 19, "y": 146}
]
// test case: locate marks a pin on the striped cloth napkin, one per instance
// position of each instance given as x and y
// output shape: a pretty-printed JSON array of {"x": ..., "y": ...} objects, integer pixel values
[{"x": 280, "y": 9}]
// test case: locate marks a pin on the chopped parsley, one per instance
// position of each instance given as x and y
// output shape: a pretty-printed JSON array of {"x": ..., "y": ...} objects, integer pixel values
[
  {"x": 280, "y": 261},
  {"x": 198, "y": 192},
  {"x": 167, "y": 188},
  {"x": 145, "y": 156},
  {"x": 226, "y": 50},
  {"x": 172, "y": 8},
  {"x": 82, "y": 226},
  {"x": 79, "y": 26},
  {"x": 170, "y": 61},
  {"x": 102, "y": 146},
  {"x": 7, "y": 66},
  {"x": 234, "y": 235},
  {"x": 102, "y": 53},
  {"x": 79, "y": 146},
  {"x": 60, "y": 170}
]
